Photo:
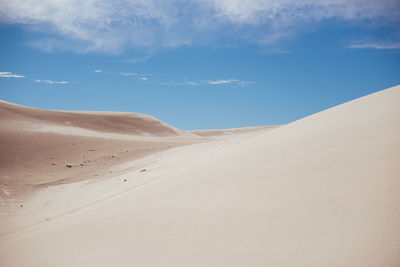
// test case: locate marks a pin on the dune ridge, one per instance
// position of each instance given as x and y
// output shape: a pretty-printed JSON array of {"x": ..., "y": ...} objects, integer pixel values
[{"x": 99, "y": 121}]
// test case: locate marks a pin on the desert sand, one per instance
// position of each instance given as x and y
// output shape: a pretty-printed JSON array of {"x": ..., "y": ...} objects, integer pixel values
[{"x": 321, "y": 191}]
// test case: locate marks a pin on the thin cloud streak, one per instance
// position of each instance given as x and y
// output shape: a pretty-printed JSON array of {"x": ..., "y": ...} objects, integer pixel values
[
  {"x": 377, "y": 46},
  {"x": 132, "y": 75},
  {"x": 184, "y": 83},
  {"x": 231, "y": 82},
  {"x": 51, "y": 82},
  {"x": 191, "y": 83},
  {"x": 10, "y": 75},
  {"x": 217, "y": 82}
]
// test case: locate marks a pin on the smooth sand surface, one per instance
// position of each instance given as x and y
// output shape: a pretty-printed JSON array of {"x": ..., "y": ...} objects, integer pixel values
[
  {"x": 322, "y": 191},
  {"x": 224, "y": 133}
]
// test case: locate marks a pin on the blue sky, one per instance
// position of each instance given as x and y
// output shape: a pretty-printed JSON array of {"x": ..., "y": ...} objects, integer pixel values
[{"x": 198, "y": 64}]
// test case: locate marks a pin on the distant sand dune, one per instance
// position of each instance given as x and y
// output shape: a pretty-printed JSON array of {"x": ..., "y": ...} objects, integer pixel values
[
  {"x": 105, "y": 122},
  {"x": 321, "y": 191},
  {"x": 37, "y": 145}
]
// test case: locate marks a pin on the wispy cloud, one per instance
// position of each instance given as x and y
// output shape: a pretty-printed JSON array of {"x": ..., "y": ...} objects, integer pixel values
[
  {"x": 51, "y": 82},
  {"x": 137, "y": 76},
  {"x": 231, "y": 82},
  {"x": 183, "y": 83},
  {"x": 217, "y": 82},
  {"x": 191, "y": 83},
  {"x": 112, "y": 26},
  {"x": 10, "y": 75},
  {"x": 377, "y": 46},
  {"x": 13, "y": 75},
  {"x": 132, "y": 75}
]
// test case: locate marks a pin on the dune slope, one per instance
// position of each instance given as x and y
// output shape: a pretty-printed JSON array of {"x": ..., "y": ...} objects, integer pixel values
[{"x": 322, "y": 191}]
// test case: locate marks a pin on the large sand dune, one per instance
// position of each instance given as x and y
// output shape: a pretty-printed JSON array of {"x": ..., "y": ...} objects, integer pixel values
[{"x": 322, "y": 191}]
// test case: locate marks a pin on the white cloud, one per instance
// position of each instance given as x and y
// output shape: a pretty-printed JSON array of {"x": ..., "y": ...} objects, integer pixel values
[
  {"x": 51, "y": 82},
  {"x": 98, "y": 71},
  {"x": 10, "y": 75},
  {"x": 111, "y": 26},
  {"x": 230, "y": 81},
  {"x": 289, "y": 11},
  {"x": 191, "y": 83},
  {"x": 143, "y": 77},
  {"x": 217, "y": 82},
  {"x": 377, "y": 46}
]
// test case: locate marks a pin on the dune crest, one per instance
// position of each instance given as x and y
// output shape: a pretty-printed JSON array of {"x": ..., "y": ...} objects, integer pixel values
[{"x": 13, "y": 116}]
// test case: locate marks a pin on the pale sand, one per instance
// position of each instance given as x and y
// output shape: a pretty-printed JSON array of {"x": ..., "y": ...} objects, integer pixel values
[
  {"x": 322, "y": 191},
  {"x": 225, "y": 133}
]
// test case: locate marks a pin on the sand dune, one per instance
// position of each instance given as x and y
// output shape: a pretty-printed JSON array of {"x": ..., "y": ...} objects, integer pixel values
[
  {"x": 322, "y": 191},
  {"x": 42, "y": 147},
  {"x": 103, "y": 122}
]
